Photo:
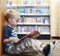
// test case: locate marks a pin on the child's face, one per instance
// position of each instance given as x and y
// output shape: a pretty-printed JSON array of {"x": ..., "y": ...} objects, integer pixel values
[{"x": 13, "y": 22}]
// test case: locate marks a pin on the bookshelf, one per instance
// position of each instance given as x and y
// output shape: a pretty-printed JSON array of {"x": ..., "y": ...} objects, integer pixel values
[{"x": 35, "y": 16}]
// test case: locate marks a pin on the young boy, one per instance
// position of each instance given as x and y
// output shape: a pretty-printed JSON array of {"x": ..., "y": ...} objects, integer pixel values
[{"x": 10, "y": 37}]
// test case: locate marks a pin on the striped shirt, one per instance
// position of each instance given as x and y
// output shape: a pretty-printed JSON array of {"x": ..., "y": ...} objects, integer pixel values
[{"x": 9, "y": 32}]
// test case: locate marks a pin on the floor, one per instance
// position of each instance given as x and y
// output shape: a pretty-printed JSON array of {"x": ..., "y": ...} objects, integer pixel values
[{"x": 56, "y": 51}]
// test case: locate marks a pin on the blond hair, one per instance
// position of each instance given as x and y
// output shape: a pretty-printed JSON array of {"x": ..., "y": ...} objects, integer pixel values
[{"x": 12, "y": 14}]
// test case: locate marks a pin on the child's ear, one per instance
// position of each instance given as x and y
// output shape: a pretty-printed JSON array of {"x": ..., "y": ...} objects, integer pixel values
[{"x": 9, "y": 19}]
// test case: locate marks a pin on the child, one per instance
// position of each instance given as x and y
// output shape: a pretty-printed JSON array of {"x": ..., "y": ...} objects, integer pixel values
[{"x": 10, "y": 37}]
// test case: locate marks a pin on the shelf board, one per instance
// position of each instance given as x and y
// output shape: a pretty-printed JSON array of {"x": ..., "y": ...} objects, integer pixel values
[
  {"x": 29, "y": 32},
  {"x": 46, "y": 33},
  {"x": 33, "y": 24},
  {"x": 10, "y": 6},
  {"x": 33, "y": 5},
  {"x": 23, "y": 32},
  {"x": 28, "y": 5},
  {"x": 34, "y": 14}
]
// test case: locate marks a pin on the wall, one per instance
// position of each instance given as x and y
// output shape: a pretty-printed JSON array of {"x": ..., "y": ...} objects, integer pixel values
[
  {"x": 59, "y": 18},
  {"x": 54, "y": 17},
  {"x": 2, "y": 12}
]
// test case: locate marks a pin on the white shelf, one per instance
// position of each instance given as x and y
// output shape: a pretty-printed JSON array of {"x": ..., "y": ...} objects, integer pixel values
[
  {"x": 23, "y": 32},
  {"x": 46, "y": 33},
  {"x": 29, "y": 32},
  {"x": 28, "y": 5},
  {"x": 33, "y": 5},
  {"x": 33, "y": 24},
  {"x": 34, "y": 14},
  {"x": 11, "y": 6}
]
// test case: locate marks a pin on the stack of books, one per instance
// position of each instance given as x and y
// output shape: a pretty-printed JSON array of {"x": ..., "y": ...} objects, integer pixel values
[
  {"x": 33, "y": 10},
  {"x": 41, "y": 20},
  {"x": 26, "y": 28}
]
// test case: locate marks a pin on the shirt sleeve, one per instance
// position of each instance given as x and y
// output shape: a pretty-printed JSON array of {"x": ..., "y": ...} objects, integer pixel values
[{"x": 6, "y": 33}]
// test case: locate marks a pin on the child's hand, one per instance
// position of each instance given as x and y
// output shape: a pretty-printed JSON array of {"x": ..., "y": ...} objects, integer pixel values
[{"x": 15, "y": 40}]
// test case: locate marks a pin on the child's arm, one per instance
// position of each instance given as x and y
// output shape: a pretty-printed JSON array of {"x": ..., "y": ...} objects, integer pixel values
[
  {"x": 7, "y": 41},
  {"x": 14, "y": 40}
]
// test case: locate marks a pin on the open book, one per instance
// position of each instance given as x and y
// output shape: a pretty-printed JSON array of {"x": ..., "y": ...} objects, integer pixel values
[{"x": 33, "y": 34}]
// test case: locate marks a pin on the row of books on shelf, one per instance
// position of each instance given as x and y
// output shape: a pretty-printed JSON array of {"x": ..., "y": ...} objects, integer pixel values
[
  {"x": 33, "y": 10},
  {"x": 25, "y": 2},
  {"x": 42, "y": 20},
  {"x": 42, "y": 29}
]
